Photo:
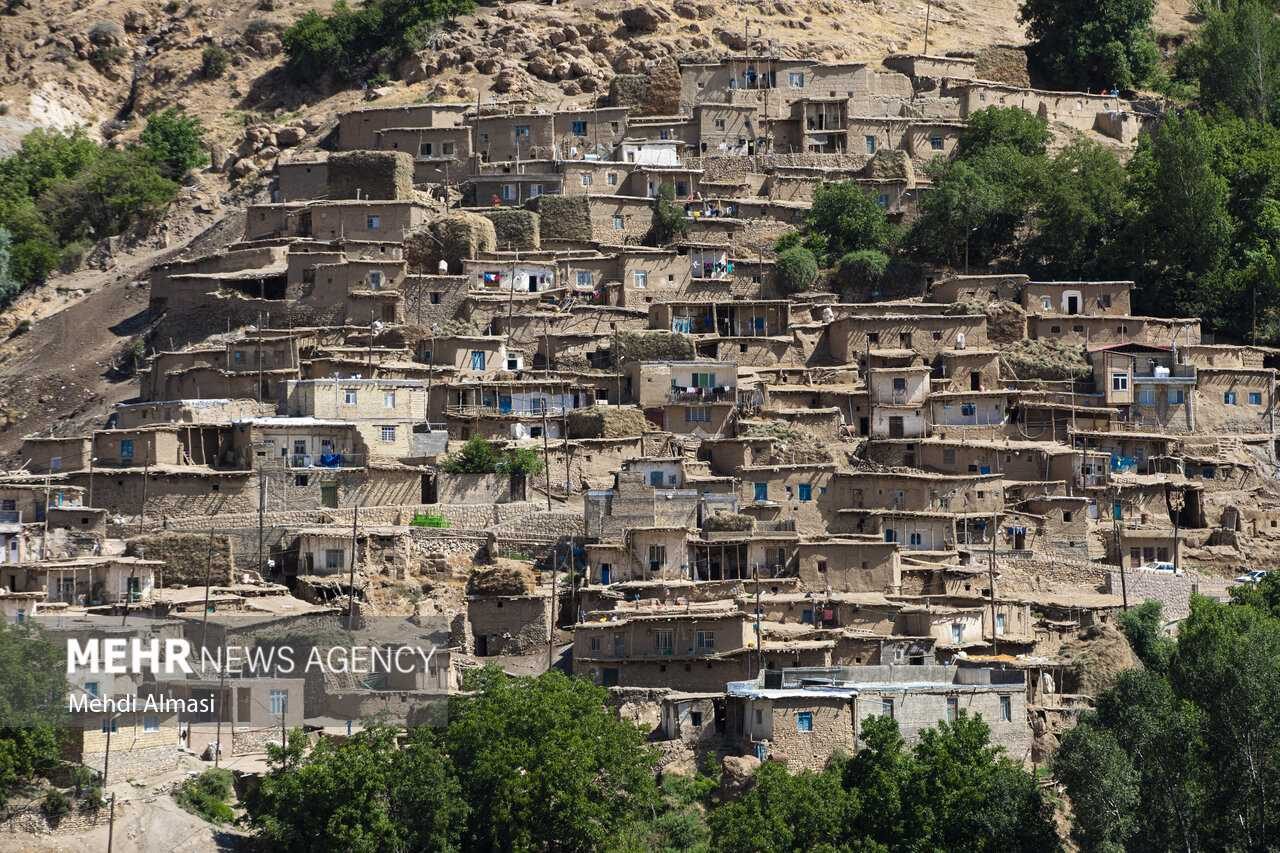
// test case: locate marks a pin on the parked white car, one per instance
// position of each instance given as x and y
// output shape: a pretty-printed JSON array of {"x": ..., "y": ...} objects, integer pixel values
[
  {"x": 1252, "y": 576},
  {"x": 1159, "y": 566}
]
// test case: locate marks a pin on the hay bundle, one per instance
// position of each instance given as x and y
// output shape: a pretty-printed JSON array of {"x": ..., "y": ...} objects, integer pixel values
[
  {"x": 506, "y": 578},
  {"x": 607, "y": 422},
  {"x": 515, "y": 229}
]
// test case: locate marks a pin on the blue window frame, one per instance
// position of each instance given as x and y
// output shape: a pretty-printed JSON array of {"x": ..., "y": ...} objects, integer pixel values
[
  {"x": 1255, "y": 398},
  {"x": 579, "y": 128},
  {"x": 806, "y": 492},
  {"x": 804, "y": 721},
  {"x": 477, "y": 360},
  {"x": 126, "y": 448},
  {"x": 762, "y": 491}
]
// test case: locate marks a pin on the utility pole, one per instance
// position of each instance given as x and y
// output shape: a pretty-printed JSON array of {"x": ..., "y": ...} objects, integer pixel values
[
  {"x": 106, "y": 765},
  {"x": 1115, "y": 525},
  {"x": 351, "y": 584},
  {"x": 1177, "y": 500},
  {"x": 208, "y": 574},
  {"x": 92, "y": 459},
  {"x": 928, "y": 9},
  {"x": 555, "y": 579},
  {"x": 146, "y": 475},
  {"x": 755, "y": 576},
  {"x": 262, "y": 507},
  {"x": 546, "y": 454},
  {"x": 991, "y": 580}
]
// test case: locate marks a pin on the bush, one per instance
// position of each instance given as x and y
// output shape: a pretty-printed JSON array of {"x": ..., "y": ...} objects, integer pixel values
[
  {"x": 864, "y": 269},
  {"x": 106, "y": 55},
  {"x": 55, "y": 805},
  {"x": 353, "y": 44},
  {"x": 214, "y": 61},
  {"x": 206, "y": 795},
  {"x": 797, "y": 269},
  {"x": 521, "y": 462},
  {"x": 477, "y": 456},
  {"x": 176, "y": 140},
  {"x": 668, "y": 218}
]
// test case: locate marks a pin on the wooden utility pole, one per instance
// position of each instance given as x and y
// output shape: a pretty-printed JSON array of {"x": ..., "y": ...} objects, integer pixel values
[
  {"x": 546, "y": 454},
  {"x": 351, "y": 584},
  {"x": 262, "y": 508},
  {"x": 991, "y": 580},
  {"x": 146, "y": 475},
  {"x": 208, "y": 575},
  {"x": 555, "y": 579}
]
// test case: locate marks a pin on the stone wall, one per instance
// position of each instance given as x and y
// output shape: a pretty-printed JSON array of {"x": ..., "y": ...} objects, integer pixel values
[
  {"x": 31, "y": 820},
  {"x": 1172, "y": 591}
]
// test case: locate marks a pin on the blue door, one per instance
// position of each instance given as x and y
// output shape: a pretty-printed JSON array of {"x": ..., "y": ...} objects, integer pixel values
[
  {"x": 604, "y": 574},
  {"x": 504, "y": 404}
]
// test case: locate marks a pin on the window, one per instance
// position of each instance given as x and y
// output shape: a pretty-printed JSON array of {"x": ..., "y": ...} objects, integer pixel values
[
  {"x": 759, "y": 717},
  {"x": 957, "y": 632},
  {"x": 883, "y": 200},
  {"x": 804, "y": 721},
  {"x": 424, "y": 150},
  {"x": 915, "y": 538},
  {"x": 1177, "y": 397},
  {"x": 301, "y": 480},
  {"x": 695, "y": 718},
  {"x": 375, "y": 280},
  {"x": 697, "y": 414},
  {"x": 387, "y": 433},
  {"x": 1146, "y": 396},
  {"x": 477, "y": 359},
  {"x": 333, "y": 558},
  {"x": 279, "y": 702},
  {"x": 126, "y": 448},
  {"x": 435, "y": 297},
  {"x": 535, "y": 190},
  {"x": 388, "y": 399},
  {"x": 618, "y": 223},
  {"x": 664, "y": 642},
  {"x": 1229, "y": 398},
  {"x": 640, "y": 279},
  {"x": 1006, "y": 708},
  {"x": 968, "y": 410},
  {"x": 113, "y": 725},
  {"x": 822, "y": 566},
  {"x": 586, "y": 179},
  {"x": 706, "y": 641},
  {"x": 520, "y": 131},
  {"x": 953, "y": 709},
  {"x": 579, "y": 128},
  {"x": 583, "y": 278},
  {"x": 1046, "y": 303},
  {"x": 1255, "y": 398},
  {"x": 447, "y": 149},
  {"x": 373, "y": 222},
  {"x": 151, "y": 724},
  {"x": 1067, "y": 516},
  {"x": 886, "y": 708},
  {"x": 611, "y": 179},
  {"x": 595, "y": 644},
  {"x": 508, "y": 192},
  {"x": 720, "y": 125},
  {"x": 795, "y": 79},
  {"x": 935, "y": 142},
  {"x": 1119, "y": 382},
  {"x": 871, "y": 144},
  {"x": 806, "y": 492},
  {"x": 949, "y": 456},
  {"x": 91, "y": 687},
  {"x": 761, "y": 492},
  {"x": 1000, "y": 623},
  {"x": 657, "y": 557},
  {"x": 350, "y": 396}
]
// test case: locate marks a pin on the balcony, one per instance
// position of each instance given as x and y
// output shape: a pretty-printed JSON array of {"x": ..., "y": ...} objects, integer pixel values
[
  {"x": 717, "y": 394},
  {"x": 324, "y": 460}
]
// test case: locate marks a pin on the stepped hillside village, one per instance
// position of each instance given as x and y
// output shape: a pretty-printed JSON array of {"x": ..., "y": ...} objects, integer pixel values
[{"x": 531, "y": 383}]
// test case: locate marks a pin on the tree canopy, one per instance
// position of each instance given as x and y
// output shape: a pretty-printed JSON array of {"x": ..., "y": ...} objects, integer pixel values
[
  {"x": 33, "y": 705},
  {"x": 1091, "y": 44}
]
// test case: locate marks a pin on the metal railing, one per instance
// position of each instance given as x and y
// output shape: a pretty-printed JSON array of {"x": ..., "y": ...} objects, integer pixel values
[{"x": 719, "y": 394}]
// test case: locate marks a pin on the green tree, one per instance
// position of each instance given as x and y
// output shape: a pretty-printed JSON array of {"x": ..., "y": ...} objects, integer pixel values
[
  {"x": 796, "y": 269},
  {"x": 9, "y": 284},
  {"x": 668, "y": 218},
  {"x": 1143, "y": 626},
  {"x": 33, "y": 697},
  {"x": 784, "y": 812},
  {"x": 477, "y": 456},
  {"x": 521, "y": 462},
  {"x": 1091, "y": 44},
  {"x": 1079, "y": 216},
  {"x": 1104, "y": 785},
  {"x": 176, "y": 140},
  {"x": 863, "y": 269},
  {"x": 1237, "y": 56},
  {"x": 364, "y": 795},
  {"x": 1009, "y": 126},
  {"x": 850, "y": 220},
  {"x": 544, "y": 765}
]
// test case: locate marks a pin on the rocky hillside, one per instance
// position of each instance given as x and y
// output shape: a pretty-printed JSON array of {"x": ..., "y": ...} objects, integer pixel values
[{"x": 104, "y": 63}]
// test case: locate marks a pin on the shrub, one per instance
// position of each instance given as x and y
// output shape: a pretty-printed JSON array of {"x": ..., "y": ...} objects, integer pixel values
[
  {"x": 105, "y": 56},
  {"x": 796, "y": 269},
  {"x": 477, "y": 456},
  {"x": 863, "y": 269},
  {"x": 668, "y": 218},
  {"x": 214, "y": 61},
  {"x": 55, "y": 805},
  {"x": 176, "y": 140},
  {"x": 206, "y": 795},
  {"x": 72, "y": 256},
  {"x": 521, "y": 462},
  {"x": 729, "y": 521}
]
